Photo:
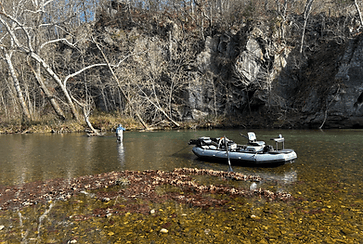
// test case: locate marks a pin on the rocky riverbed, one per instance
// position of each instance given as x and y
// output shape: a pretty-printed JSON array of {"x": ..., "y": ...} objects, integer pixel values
[{"x": 162, "y": 207}]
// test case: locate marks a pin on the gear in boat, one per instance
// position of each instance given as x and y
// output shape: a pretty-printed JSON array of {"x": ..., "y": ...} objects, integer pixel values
[{"x": 254, "y": 152}]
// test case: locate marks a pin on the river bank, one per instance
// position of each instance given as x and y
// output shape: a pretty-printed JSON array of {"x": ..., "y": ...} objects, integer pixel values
[
  {"x": 104, "y": 123},
  {"x": 108, "y": 123}
]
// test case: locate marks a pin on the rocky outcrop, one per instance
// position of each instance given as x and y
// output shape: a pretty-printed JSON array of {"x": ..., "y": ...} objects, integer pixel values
[
  {"x": 252, "y": 76},
  {"x": 347, "y": 101},
  {"x": 238, "y": 75},
  {"x": 252, "y": 73},
  {"x": 331, "y": 96}
]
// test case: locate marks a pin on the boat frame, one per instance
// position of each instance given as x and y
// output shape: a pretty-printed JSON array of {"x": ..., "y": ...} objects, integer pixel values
[{"x": 254, "y": 153}]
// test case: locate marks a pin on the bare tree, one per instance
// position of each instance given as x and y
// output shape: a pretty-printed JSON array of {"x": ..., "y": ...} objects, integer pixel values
[
  {"x": 119, "y": 83},
  {"x": 359, "y": 12},
  {"x": 307, "y": 12},
  {"x": 7, "y": 58},
  {"x": 49, "y": 95},
  {"x": 282, "y": 11},
  {"x": 36, "y": 29},
  {"x": 23, "y": 41}
]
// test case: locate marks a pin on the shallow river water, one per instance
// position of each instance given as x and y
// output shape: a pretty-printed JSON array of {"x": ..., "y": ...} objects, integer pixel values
[{"x": 325, "y": 182}]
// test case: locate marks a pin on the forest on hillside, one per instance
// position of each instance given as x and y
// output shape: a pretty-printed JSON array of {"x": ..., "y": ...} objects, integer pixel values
[{"x": 68, "y": 59}]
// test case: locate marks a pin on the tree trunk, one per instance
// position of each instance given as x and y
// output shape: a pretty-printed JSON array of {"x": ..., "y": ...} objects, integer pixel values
[
  {"x": 29, "y": 50},
  {"x": 119, "y": 86},
  {"x": 307, "y": 12},
  {"x": 58, "y": 81},
  {"x": 16, "y": 85},
  {"x": 359, "y": 13},
  {"x": 158, "y": 107},
  {"x": 86, "y": 114},
  {"x": 47, "y": 93}
]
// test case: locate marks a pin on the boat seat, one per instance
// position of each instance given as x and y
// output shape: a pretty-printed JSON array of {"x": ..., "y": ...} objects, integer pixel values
[
  {"x": 252, "y": 140},
  {"x": 254, "y": 149},
  {"x": 209, "y": 147},
  {"x": 205, "y": 139},
  {"x": 278, "y": 140}
]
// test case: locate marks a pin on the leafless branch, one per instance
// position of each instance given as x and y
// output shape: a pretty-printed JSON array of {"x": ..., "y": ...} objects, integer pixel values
[{"x": 64, "y": 40}]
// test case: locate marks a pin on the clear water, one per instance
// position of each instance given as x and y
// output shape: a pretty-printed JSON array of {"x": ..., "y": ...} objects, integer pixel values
[
  {"x": 24, "y": 158},
  {"x": 325, "y": 181}
]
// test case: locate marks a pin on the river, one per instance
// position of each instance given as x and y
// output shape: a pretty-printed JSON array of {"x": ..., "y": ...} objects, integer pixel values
[{"x": 326, "y": 179}]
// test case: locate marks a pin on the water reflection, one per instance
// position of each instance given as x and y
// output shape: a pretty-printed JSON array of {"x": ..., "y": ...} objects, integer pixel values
[
  {"x": 26, "y": 158},
  {"x": 284, "y": 177},
  {"x": 121, "y": 153},
  {"x": 325, "y": 181},
  {"x": 253, "y": 186}
]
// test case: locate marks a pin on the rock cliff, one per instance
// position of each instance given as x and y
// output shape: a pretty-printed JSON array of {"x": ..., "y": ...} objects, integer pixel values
[
  {"x": 261, "y": 81},
  {"x": 257, "y": 74}
]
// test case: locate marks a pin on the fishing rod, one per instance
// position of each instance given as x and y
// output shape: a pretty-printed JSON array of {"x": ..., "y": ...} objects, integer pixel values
[{"x": 180, "y": 150}]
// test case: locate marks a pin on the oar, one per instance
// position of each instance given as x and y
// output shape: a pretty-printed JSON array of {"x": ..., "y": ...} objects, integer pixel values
[
  {"x": 229, "y": 161},
  {"x": 243, "y": 135}
]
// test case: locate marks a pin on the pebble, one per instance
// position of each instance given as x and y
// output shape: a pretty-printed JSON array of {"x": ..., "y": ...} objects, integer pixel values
[
  {"x": 163, "y": 230},
  {"x": 2, "y": 227},
  {"x": 254, "y": 217}
]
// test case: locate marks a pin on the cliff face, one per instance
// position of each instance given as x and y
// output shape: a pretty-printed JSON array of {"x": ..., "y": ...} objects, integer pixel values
[
  {"x": 345, "y": 104},
  {"x": 330, "y": 96},
  {"x": 253, "y": 75},
  {"x": 267, "y": 83}
]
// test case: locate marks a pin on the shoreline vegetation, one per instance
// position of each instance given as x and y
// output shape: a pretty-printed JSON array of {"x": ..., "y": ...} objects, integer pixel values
[
  {"x": 104, "y": 123},
  {"x": 108, "y": 122}
]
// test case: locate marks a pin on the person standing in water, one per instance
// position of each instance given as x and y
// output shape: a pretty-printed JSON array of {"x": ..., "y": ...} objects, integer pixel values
[{"x": 119, "y": 133}]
